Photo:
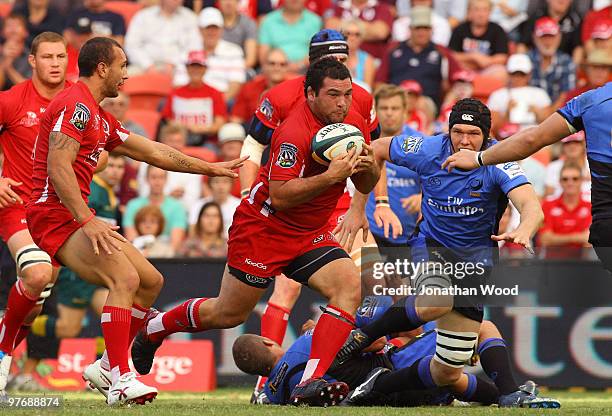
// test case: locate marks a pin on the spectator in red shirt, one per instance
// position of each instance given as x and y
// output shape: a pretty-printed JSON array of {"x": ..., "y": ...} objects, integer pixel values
[
  {"x": 197, "y": 106},
  {"x": 415, "y": 118},
  {"x": 274, "y": 71},
  {"x": 597, "y": 68},
  {"x": 567, "y": 218},
  {"x": 376, "y": 16}
]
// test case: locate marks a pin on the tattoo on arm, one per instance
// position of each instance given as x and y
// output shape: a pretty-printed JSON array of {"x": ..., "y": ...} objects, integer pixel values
[
  {"x": 60, "y": 141},
  {"x": 179, "y": 159}
]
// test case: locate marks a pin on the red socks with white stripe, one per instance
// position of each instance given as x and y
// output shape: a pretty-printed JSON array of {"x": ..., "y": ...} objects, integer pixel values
[
  {"x": 329, "y": 335},
  {"x": 19, "y": 305},
  {"x": 116, "y": 353},
  {"x": 115, "y": 323},
  {"x": 273, "y": 326},
  {"x": 182, "y": 318}
]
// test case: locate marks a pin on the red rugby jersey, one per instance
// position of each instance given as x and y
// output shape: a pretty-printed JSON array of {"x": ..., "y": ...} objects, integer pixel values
[
  {"x": 21, "y": 109},
  {"x": 75, "y": 113},
  {"x": 291, "y": 157}
]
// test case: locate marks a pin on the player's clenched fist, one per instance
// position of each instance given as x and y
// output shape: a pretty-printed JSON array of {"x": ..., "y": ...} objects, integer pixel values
[
  {"x": 343, "y": 166},
  {"x": 103, "y": 235}
]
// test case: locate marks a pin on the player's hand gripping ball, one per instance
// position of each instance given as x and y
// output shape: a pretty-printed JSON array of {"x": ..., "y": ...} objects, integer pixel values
[{"x": 335, "y": 140}]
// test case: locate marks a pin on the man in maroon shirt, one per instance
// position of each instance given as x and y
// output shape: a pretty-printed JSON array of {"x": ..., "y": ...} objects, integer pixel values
[{"x": 274, "y": 71}]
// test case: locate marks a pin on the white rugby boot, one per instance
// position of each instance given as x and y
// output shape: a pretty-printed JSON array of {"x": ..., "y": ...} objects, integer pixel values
[
  {"x": 97, "y": 378},
  {"x": 5, "y": 370},
  {"x": 127, "y": 390}
]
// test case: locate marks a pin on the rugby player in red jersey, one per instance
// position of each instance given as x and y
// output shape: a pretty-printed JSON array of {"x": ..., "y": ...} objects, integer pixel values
[
  {"x": 282, "y": 227},
  {"x": 276, "y": 105},
  {"x": 74, "y": 131},
  {"x": 21, "y": 108}
]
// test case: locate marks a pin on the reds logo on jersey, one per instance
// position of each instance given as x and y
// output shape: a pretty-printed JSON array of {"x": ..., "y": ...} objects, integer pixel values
[
  {"x": 29, "y": 120},
  {"x": 81, "y": 116}
]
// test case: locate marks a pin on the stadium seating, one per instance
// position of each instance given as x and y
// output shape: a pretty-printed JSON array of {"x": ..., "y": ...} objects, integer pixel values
[
  {"x": 147, "y": 90},
  {"x": 127, "y": 9},
  {"x": 148, "y": 119},
  {"x": 485, "y": 85}
]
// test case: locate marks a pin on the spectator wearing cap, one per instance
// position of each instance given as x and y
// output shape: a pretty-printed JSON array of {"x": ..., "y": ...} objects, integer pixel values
[
  {"x": 80, "y": 32},
  {"x": 598, "y": 70},
  {"x": 377, "y": 18},
  {"x": 14, "y": 65},
  {"x": 568, "y": 21},
  {"x": 226, "y": 69},
  {"x": 160, "y": 37},
  {"x": 596, "y": 21},
  {"x": 418, "y": 58},
  {"x": 40, "y": 17},
  {"x": 518, "y": 103},
  {"x": 273, "y": 72},
  {"x": 479, "y": 44},
  {"x": 601, "y": 37},
  {"x": 415, "y": 118},
  {"x": 184, "y": 187},
  {"x": 231, "y": 138},
  {"x": 573, "y": 150},
  {"x": 462, "y": 87},
  {"x": 103, "y": 22},
  {"x": 553, "y": 69},
  {"x": 289, "y": 28},
  {"x": 239, "y": 29},
  {"x": 441, "y": 29},
  {"x": 567, "y": 218},
  {"x": 197, "y": 106},
  {"x": 361, "y": 64}
]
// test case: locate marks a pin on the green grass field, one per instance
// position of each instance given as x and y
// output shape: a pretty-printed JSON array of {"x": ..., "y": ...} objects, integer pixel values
[{"x": 234, "y": 402}]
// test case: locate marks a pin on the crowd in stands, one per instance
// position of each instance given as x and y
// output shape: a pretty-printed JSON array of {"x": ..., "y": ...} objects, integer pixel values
[{"x": 199, "y": 67}]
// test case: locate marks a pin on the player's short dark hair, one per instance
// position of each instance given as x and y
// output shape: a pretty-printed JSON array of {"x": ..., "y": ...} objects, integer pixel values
[
  {"x": 96, "y": 50},
  {"x": 51, "y": 37},
  {"x": 325, "y": 68},
  {"x": 252, "y": 356}
]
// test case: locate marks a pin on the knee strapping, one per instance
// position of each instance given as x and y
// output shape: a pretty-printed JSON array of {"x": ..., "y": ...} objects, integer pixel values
[{"x": 455, "y": 349}]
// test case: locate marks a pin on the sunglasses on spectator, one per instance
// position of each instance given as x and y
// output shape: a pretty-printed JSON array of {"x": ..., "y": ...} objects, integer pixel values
[
  {"x": 357, "y": 34},
  {"x": 117, "y": 103},
  {"x": 570, "y": 178},
  {"x": 277, "y": 63}
]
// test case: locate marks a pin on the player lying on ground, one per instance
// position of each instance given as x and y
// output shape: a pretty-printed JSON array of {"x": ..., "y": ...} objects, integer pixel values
[
  {"x": 283, "y": 228},
  {"x": 590, "y": 112},
  {"x": 460, "y": 212},
  {"x": 74, "y": 131},
  {"x": 254, "y": 354}
]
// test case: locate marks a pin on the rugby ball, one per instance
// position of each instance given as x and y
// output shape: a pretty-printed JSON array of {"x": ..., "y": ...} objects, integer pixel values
[{"x": 334, "y": 140}]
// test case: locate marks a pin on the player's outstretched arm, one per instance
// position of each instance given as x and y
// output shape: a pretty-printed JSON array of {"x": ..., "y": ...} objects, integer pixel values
[
  {"x": 158, "y": 154},
  {"x": 291, "y": 193},
  {"x": 516, "y": 147},
  {"x": 63, "y": 151},
  {"x": 528, "y": 205}
]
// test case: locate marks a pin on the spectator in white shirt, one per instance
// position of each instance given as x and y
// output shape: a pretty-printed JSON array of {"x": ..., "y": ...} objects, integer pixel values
[
  {"x": 220, "y": 188},
  {"x": 573, "y": 151},
  {"x": 519, "y": 103},
  {"x": 185, "y": 187},
  {"x": 226, "y": 67},
  {"x": 160, "y": 37}
]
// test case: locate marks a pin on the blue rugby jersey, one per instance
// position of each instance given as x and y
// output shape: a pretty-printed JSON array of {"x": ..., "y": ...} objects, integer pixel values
[
  {"x": 592, "y": 112},
  {"x": 461, "y": 209}
]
